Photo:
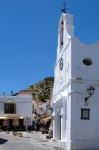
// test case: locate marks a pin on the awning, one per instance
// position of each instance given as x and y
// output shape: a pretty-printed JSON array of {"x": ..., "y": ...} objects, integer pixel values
[{"x": 11, "y": 116}]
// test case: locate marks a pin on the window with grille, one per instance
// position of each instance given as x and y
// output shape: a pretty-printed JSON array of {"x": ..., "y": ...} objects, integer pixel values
[
  {"x": 85, "y": 114},
  {"x": 9, "y": 108}
]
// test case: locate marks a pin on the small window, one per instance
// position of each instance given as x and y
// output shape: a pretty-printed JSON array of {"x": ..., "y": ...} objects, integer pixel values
[
  {"x": 87, "y": 61},
  {"x": 9, "y": 108},
  {"x": 61, "y": 64},
  {"x": 85, "y": 114}
]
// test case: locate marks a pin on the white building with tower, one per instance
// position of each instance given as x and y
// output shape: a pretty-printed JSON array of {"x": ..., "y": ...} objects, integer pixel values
[{"x": 76, "y": 90}]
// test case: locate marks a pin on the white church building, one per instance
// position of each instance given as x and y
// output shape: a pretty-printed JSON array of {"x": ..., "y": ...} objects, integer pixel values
[{"x": 76, "y": 90}]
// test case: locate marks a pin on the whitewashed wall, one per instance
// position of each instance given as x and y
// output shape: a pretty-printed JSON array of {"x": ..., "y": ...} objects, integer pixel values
[
  {"x": 23, "y": 105},
  {"x": 70, "y": 89}
]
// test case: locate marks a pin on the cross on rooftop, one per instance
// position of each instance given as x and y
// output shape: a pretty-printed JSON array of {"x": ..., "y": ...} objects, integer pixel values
[{"x": 64, "y": 9}]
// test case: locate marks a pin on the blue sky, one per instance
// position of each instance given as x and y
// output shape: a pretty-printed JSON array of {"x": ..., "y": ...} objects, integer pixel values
[{"x": 28, "y": 37}]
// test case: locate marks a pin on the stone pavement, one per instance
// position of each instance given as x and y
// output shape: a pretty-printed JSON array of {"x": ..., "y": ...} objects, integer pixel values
[{"x": 29, "y": 141}]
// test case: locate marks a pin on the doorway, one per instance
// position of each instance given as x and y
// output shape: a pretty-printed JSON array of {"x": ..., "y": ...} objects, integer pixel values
[
  {"x": 59, "y": 127},
  {"x": 10, "y": 124},
  {"x": 21, "y": 122}
]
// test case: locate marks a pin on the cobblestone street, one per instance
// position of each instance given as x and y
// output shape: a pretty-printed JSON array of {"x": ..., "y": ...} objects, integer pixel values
[{"x": 29, "y": 141}]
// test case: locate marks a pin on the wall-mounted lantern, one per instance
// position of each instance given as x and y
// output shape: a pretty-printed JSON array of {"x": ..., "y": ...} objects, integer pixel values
[{"x": 90, "y": 92}]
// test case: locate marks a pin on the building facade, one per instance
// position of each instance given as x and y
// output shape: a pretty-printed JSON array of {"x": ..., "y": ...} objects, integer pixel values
[
  {"x": 76, "y": 90},
  {"x": 15, "y": 111}
]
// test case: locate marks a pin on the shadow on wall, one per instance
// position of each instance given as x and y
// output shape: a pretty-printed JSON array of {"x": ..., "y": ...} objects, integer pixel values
[{"x": 3, "y": 141}]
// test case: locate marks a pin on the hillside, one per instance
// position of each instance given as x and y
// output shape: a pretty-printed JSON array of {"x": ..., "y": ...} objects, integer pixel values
[{"x": 40, "y": 91}]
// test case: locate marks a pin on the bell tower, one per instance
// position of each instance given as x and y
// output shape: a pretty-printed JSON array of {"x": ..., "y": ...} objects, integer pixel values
[
  {"x": 65, "y": 30},
  {"x": 63, "y": 61},
  {"x": 62, "y": 76}
]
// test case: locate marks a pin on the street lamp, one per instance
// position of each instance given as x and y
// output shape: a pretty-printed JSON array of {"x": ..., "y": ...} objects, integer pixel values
[{"x": 90, "y": 92}]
